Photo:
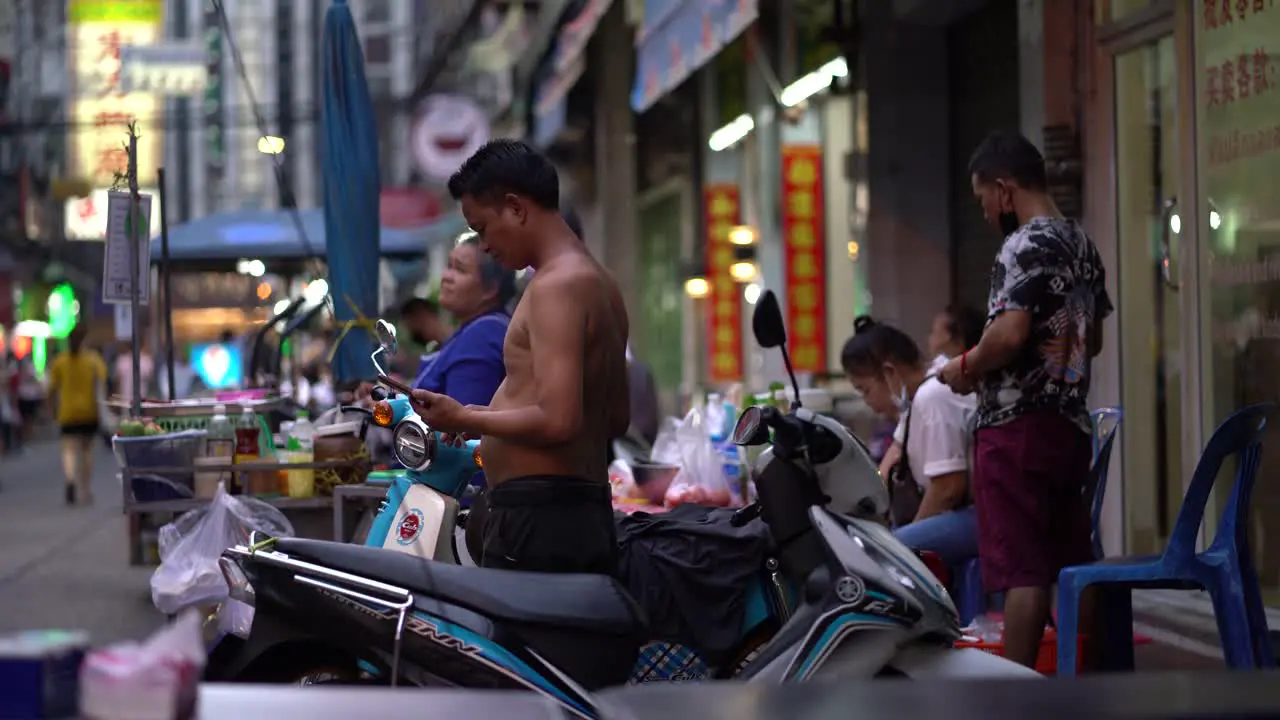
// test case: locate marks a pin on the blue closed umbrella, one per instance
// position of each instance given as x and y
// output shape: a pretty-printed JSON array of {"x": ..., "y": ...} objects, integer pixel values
[{"x": 351, "y": 190}]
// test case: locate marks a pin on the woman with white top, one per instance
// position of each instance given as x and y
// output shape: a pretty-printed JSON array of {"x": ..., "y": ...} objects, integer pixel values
[
  {"x": 887, "y": 368},
  {"x": 954, "y": 330}
]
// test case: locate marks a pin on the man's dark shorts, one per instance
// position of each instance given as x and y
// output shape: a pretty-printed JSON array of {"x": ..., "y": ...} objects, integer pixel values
[
  {"x": 547, "y": 524},
  {"x": 1028, "y": 479}
]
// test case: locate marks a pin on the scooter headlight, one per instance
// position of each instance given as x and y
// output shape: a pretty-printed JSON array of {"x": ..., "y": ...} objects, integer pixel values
[
  {"x": 413, "y": 445},
  {"x": 383, "y": 414}
]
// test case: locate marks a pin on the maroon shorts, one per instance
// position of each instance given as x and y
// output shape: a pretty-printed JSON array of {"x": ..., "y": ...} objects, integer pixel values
[{"x": 1028, "y": 479}]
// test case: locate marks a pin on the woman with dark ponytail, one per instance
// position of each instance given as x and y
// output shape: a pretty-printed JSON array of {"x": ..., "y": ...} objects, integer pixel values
[
  {"x": 929, "y": 483},
  {"x": 956, "y": 329}
]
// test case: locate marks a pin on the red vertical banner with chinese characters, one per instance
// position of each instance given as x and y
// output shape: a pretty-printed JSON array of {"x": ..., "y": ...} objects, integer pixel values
[
  {"x": 724, "y": 304},
  {"x": 803, "y": 242}
]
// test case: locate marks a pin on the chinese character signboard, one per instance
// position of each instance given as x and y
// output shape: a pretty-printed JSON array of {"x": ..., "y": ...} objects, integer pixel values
[
  {"x": 724, "y": 302},
  {"x": 102, "y": 108},
  {"x": 172, "y": 69},
  {"x": 803, "y": 242},
  {"x": 86, "y": 217}
]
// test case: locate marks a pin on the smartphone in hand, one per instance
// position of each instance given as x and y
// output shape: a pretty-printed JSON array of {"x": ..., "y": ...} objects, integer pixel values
[{"x": 395, "y": 385}]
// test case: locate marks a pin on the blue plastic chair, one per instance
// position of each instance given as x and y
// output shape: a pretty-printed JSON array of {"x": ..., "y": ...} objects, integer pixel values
[
  {"x": 1225, "y": 569},
  {"x": 970, "y": 597},
  {"x": 1106, "y": 421}
]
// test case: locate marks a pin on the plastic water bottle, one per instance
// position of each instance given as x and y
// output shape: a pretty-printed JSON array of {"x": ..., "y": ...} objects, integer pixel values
[
  {"x": 221, "y": 438},
  {"x": 300, "y": 449},
  {"x": 303, "y": 432},
  {"x": 721, "y": 422}
]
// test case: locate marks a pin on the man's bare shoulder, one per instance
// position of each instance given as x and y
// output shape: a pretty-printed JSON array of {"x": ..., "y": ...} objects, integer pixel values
[{"x": 576, "y": 273}]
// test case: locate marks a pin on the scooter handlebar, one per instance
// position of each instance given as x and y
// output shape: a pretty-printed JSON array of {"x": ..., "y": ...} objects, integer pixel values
[{"x": 745, "y": 515}]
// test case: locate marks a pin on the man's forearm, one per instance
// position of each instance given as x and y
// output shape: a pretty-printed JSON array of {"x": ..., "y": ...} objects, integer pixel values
[
  {"x": 997, "y": 349},
  {"x": 984, "y": 358}
]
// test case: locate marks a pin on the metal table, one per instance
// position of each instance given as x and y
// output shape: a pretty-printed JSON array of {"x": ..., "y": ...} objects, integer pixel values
[
  {"x": 366, "y": 492},
  {"x": 135, "y": 509}
]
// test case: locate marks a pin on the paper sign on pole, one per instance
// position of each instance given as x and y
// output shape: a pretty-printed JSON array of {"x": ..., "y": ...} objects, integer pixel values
[
  {"x": 117, "y": 281},
  {"x": 124, "y": 321}
]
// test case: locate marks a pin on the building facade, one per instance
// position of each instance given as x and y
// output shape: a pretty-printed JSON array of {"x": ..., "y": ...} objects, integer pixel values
[
  {"x": 839, "y": 143},
  {"x": 1180, "y": 104},
  {"x": 1157, "y": 122}
]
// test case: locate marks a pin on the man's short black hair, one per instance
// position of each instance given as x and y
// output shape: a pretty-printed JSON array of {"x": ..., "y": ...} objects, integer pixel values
[
  {"x": 416, "y": 305},
  {"x": 574, "y": 222},
  {"x": 507, "y": 166},
  {"x": 1009, "y": 156}
]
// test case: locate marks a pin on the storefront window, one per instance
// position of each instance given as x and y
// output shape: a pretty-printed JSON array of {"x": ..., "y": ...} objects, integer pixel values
[
  {"x": 1109, "y": 11},
  {"x": 1238, "y": 109}
]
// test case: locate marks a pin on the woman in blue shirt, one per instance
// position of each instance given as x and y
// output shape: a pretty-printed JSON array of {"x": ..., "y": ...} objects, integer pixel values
[{"x": 475, "y": 290}]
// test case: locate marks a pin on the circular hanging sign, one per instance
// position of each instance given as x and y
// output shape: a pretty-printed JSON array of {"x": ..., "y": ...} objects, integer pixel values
[{"x": 446, "y": 131}]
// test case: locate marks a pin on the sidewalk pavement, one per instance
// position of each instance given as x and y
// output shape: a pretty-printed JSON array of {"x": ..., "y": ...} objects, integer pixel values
[
  {"x": 1183, "y": 621},
  {"x": 67, "y": 567}
]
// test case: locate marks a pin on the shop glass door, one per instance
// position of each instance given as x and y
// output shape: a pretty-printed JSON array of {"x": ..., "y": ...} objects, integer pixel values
[
  {"x": 1237, "y": 107},
  {"x": 1148, "y": 229}
]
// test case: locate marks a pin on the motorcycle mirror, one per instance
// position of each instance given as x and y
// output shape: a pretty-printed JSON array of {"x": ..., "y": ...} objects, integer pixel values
[
  {"x": 766, "y": 322},
  {"x": 387, "y": 337},
  {"x": 387, "y": 343},
  {"x": 751, "y": 429},
  {"x": 771, "y": 332}
]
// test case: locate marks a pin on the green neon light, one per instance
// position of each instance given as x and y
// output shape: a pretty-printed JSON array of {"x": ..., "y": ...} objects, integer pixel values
[
  {"x": 63, "y": 310},
  {"x": 39, "y": 354}
]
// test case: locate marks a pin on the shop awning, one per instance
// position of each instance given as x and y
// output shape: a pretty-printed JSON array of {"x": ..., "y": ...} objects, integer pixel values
[
  {"x": 679, "y": 36},
  {"x": 266, "y": 234},
  {"x": 564, "y": 65}
]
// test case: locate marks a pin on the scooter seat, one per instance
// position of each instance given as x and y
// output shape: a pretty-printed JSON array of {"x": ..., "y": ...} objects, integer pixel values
[{"x": 591, "y": 603}]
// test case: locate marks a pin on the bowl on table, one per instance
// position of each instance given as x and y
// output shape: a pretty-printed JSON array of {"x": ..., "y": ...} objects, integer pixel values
[{"x": 653, "y": 479}]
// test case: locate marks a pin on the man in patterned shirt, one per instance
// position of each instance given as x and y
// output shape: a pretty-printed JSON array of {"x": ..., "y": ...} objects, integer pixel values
[{"x": 1031, "y": 370}]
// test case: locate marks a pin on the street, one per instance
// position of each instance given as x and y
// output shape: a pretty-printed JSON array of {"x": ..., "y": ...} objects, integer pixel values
[{"x": 67, "y": 567}]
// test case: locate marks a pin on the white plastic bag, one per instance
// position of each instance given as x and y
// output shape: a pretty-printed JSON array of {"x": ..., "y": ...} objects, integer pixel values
[
  {"x": 666, "y": 449},
  {"x": 621, "y": 479},
  {"x": 188, "y": 575},
  {"x": 702, "y": 478}
]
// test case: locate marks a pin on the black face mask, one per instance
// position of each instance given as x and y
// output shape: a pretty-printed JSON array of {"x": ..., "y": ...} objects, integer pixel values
[
  {"x": 1009, "y": 223},
  {"x": 418, "y": 338}
]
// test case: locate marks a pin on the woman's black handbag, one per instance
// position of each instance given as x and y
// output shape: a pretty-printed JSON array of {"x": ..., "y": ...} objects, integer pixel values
[{"x": 905, "y": 493}]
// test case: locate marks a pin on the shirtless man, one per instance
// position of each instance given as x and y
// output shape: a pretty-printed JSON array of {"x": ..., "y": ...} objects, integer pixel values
[{"x": 547, "y": 431}]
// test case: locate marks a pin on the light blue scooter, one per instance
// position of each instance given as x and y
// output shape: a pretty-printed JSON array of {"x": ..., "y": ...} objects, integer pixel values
[
  {"x": 420, "y": 512},
  {"x": 419, "y": 517}
]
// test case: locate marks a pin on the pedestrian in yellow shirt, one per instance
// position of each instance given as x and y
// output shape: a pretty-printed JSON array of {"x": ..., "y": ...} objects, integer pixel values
[{"x": 76, "y": 377}]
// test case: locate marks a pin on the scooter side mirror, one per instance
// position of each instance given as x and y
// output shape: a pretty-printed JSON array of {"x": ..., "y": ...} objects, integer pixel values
[
  {"x": 766, "y": 322},
  {"x": 387, "y": 343},
  {"x": 386, "y": 333}
]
